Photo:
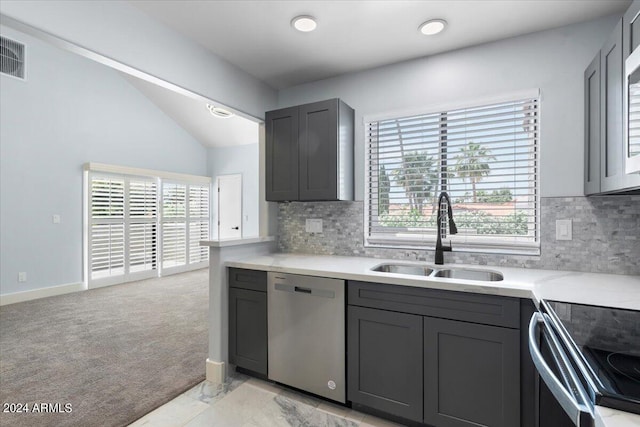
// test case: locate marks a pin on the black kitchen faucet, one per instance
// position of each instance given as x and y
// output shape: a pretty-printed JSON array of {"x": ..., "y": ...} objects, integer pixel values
[{"x": 442, "y": 226}]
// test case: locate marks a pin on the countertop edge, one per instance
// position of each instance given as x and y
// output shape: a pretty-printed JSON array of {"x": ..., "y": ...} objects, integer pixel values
[{"x": 236, "y": 242}]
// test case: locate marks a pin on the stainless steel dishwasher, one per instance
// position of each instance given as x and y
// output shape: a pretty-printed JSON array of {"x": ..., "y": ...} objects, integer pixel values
[{"x": 306, "y": 324}]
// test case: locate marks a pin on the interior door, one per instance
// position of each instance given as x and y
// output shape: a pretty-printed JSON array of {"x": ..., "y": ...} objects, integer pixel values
[{"x": 229, "y": 206}]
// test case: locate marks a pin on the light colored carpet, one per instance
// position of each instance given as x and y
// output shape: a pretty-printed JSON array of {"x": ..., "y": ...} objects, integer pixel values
[{"x": 113, "y": 353}]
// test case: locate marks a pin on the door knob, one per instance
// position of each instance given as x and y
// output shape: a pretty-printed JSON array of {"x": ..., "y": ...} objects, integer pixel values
[{"x": 235, "y": 228}]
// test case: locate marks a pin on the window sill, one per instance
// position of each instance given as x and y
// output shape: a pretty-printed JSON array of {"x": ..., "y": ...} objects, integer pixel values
[{"x": 428, "y": 244}]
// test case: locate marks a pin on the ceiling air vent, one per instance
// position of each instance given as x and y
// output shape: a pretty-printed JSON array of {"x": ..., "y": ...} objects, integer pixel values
[{"x": 11, "y": 58}]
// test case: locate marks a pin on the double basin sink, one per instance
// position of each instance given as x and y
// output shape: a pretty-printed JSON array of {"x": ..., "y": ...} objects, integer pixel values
[{"x": 449, "y": 273}]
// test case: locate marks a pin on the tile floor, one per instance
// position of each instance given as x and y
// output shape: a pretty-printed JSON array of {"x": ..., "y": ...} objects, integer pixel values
[{"x": 249, "y": 402}]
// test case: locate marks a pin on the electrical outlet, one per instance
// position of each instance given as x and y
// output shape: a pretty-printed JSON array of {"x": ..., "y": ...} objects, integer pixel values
[
  {"x": 22, "y": 276},
  {"x": 564, "y": 229},
  {"x": 57, "y": 219},
  {"x": 313, "y": 225}
]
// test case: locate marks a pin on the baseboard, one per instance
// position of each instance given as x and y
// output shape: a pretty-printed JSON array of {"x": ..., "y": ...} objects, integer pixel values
[
  {"x": 15, "y": 297},
  {"x": 215, "y": 372}
]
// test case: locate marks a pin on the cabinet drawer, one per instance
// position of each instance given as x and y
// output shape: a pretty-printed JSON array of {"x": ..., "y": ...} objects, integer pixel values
[
  {"x": 252, "y": 280},
  {"x": 468, "y": 307}
]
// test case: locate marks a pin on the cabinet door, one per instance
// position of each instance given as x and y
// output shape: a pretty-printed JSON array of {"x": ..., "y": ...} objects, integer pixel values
[
  {"x": 471, "y": 374},
  {"x": 631, "y": 29},
  {"x": 318, "y": 155},
  {"x": 592, "y": 127},
  {"x": 612, "y": 152},
  {"x": 384, "y": 361},
  {"x": 282, "y": 154},
  {"x": 248, "y": 329}
]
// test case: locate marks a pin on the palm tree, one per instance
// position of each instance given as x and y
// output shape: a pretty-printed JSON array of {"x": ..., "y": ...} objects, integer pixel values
[
  {"x": 384, "y": 186},
  {"x": 418, "y": 177},
  {"x": 472, "y": 164}
]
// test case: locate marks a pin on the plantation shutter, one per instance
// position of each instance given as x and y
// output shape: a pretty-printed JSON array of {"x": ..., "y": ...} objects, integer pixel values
[
  {"x": 198, "y": 222},
  {"x": 143, "y": 214},
  {"x": 107, "y": 227},
  {"x": 174, "y": 224},
  {"x": 485, "y": 158}
]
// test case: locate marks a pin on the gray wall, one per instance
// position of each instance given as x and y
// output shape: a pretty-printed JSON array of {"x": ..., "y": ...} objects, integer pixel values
[
  {"x": 120, "y": 31},
  {"x": 553, "y": 61},
  {"x": 69, "y": 111},
  {"x": 242, "y": 159}
]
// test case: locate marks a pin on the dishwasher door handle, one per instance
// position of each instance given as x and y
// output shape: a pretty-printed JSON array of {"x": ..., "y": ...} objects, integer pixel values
[{"x": 314, "y": 292}]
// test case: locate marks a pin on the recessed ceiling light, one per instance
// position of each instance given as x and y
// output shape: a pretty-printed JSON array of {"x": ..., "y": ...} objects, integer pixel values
[
  {"x": 219, "y": 112},
  {"x": 432, "y": 27},
  {"x": 304, "y": 23}
]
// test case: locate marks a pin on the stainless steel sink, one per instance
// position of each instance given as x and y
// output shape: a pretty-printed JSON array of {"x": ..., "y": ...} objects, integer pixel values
[
  {"x": 447, "y": 273},
  {"x": 415, "y": 270},
  {"x": 466, "y": 274}
]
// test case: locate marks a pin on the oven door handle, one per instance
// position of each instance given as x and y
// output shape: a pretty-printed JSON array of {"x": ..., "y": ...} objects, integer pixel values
[{"x": 576, "y": 403}]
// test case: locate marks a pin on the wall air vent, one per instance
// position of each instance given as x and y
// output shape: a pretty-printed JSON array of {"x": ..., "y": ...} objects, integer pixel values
[{"x": 11, "y": 58}]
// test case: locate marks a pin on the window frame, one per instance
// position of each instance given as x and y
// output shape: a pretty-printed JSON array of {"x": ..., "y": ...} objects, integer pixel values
[{"x": 474, "y": 243}]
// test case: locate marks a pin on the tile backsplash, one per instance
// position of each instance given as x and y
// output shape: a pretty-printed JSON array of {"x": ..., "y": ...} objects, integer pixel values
[{"x": 606, "y": 235}]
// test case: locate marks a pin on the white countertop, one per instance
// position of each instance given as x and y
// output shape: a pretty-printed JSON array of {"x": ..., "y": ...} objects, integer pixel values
[
  {"x": 609, "y": 290},
  {"x": 236, "y": 242}
]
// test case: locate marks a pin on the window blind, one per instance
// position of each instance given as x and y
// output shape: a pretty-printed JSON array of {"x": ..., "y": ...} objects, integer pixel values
[
  {"x": 485, "y": 158},
  {"x": 107, "y": 244},
  {"x": 142, "y": 229},
  {"x": 174, "y": 224},
  {"x": 198, "y": 222},
  {"x": 138, "y": 225},
  {"x": 185, "y": 222}
]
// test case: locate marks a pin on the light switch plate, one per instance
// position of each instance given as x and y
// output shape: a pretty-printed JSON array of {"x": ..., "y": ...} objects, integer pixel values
[
  {"x": 564, "y": 229},
  {"x": 313, "y": 225}
]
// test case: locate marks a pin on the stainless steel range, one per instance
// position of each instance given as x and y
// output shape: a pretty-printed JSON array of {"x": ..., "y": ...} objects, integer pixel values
[{"x": 588, "y": 355}]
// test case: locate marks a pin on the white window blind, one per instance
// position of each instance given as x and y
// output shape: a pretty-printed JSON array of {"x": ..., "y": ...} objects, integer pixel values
[
  {"x": 484, "y": 157},
  {"x": 174, "y": 224},
  {"x": 140, "y": 226},
  {"x": 106, "y": 231},
  {"x": 143, "y": 228},
  {"x": 198, "y": 222},
  {"x": 185, "y": 222},
  {"x": 123, "y": 226}
]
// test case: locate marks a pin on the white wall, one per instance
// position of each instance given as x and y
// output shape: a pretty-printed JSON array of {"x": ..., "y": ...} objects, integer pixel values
[
  {"x": 120, "y": 31},
  {"x": 242, "y": 159},
  {"x": 553, "y": 61},
  {"x": 69, "y": 111}
]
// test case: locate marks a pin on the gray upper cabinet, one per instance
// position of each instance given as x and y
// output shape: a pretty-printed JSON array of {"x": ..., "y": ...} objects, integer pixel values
[
  {"x": 309, "y": 152},
  {"x": 592, "y": 127},
  {"x": 631, "y": 29},
  {"x": 612, "y": 174},
  {"x": 604, "y": 120},
  {"x": 282, "y": 154}
]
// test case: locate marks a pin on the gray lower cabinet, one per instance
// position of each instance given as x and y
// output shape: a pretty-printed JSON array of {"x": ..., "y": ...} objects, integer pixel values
[
  {"x": 384, "y": 351},
  {"x": 248, "y": 320},
  {"x": 471, "y": 374},
  {"x": 441, "y": 358}
]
